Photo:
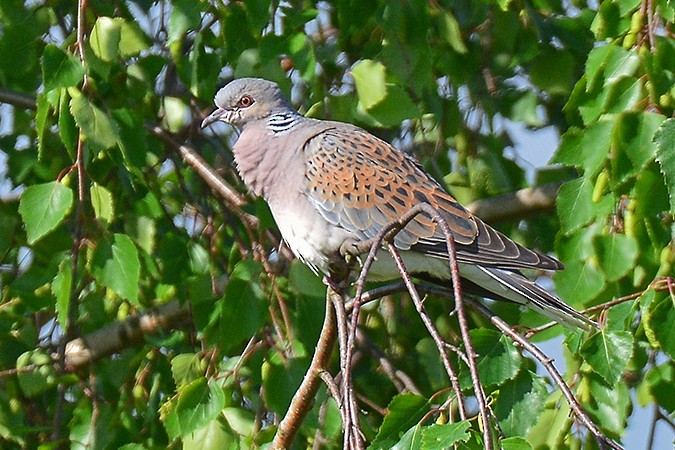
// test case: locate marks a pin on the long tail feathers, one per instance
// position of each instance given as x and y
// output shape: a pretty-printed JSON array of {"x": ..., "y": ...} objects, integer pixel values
[{"x": 509, "y": 285}]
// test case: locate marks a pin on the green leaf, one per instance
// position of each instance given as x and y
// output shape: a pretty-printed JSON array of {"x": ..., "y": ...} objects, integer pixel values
[
  {"x": 244, "y": 308},
  {"x": 186, "y": 368},
  {"x": 102, "y": 201},
  {"x": 552, "y": 427},
  {"x": 94, "y": 123},
  {"x": 199, "y": 403},
  {"x": 616, "y": 254},
  {"x": 524, "y": 109},
  {"x": 578, "y": 283},
  {"x": 212, "y": 436},
  {"x": 61, "y": 287},
  {"x": 620, "y": 63},
  {"x": 242, "y": 421},
  {"x": 452, "y": 33},
  {"x": 661, "y": 383},
  {"x": 281, "y": 381},
  {"x": 36, "y": 373},
  {"x": 8, "y": 225},
  {"x": 439, "y": 437},
  {"x": 575, "y": 205},
  {"x": 624, "y": 95},
  {"x": 67, "y": 126},
  {"x": 132, "y": 39},
  {"x": 43, "y": 207},
  {"x": 116, "y": 265},
  {"x": 411, "y": 439},
  {"x": 608, "y": 353},
  {"x": 520, "y": 402},
  {"x": 499, "y": 359},
  {"x": 595, "y": 62},
  {"x": 664, "y": 139},
  {"x": 370, "y": 79},
  {"x": 609, "y": 405},
  {"x": 514, "y": 443},
  {"x": 635, "y": 134},
  {"x": 113, "y": 37},
  {"x": 105, "y": 38},
  {"x": 553, "y": 71},
  {"x": 60, "y": 69},
  {"x": 588, "y": 148},
  {"x": 405, "y": 411},
  {"x": 133, "y": 138},
  {"x": 184, "y": 16},
  {"x": 175, "y": 113},
  {"x": 661, "y": 321},
  {"x": 395, "y": 108}
]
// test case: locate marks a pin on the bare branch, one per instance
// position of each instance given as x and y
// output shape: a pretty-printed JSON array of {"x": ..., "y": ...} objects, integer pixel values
[
  {"x": 18, "y": 99},
  {"x": 547, "y": 362},
  {"x": 303, "y": 399},
  {"x": 120, "y": 335},
  {"x": 400, "y": 379},
  {"x": 516, "y": 205}
]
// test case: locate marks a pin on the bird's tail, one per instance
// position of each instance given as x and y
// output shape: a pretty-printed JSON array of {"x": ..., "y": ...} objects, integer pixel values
[{"x": 500, "y": 284}]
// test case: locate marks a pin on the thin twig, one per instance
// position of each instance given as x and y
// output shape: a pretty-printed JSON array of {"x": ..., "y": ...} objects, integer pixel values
[
  {"x": 547, "y": 362},
  {"x": 401, "y": 380},
  {"x": 604, "y": 441},
  {"x": 464, "y": 326},
  {"x": 431, "y": 328},
  {"x": 78, "y": 239},
  {"x": 18, "y": 99},
  {"x": 386, "y": 234},
  {"x": 349, "y": 408},
  {"x": 660, "y": 284},
  {"x": 303, "y": 399}
]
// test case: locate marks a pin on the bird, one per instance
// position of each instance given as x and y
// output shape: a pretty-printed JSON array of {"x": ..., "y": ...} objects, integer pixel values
[{"x": 331, "y": 184}]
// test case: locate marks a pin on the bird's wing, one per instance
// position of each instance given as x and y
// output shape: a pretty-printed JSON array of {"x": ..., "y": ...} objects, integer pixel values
[{"x": 362, "y": 183}]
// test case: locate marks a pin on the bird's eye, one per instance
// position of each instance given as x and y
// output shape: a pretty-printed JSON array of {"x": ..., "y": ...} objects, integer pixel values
[{"x": 245, "y": 101}]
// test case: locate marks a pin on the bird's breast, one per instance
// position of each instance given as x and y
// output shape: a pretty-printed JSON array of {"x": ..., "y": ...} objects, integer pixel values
[{"x": 309, "y": 236}]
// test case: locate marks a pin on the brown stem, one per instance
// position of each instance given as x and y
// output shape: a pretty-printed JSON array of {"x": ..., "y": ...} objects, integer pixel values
[
  {"x": 120, "y": 335},
  {"x": 547, "y": 362},
  {"x": 303, "y": 399},
  {"x": 516, "y": 205},
  {"x": 18, "y": 99},
  {"x": 431, "y": 328}
]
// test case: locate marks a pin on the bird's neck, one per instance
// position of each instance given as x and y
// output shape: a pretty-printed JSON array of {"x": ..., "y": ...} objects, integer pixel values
[{"x": 283, "y": 122}]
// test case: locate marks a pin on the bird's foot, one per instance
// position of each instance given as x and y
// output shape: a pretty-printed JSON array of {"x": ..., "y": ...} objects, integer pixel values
[{"x": 337, "y": 285}]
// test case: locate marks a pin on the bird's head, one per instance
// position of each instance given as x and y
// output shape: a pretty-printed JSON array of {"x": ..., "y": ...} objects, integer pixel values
[{"x": 247, "y": 100}]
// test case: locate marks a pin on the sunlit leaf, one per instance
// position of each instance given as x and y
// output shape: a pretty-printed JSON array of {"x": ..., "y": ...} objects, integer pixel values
[
  {"x": 608, "y": 353},
  {"x": 94, "y": 123},
  {"x": 60, "y": 69},
  {"x": 438, "y": 437},
  {"x": 371, "y": 87},
  {"x": 199, "y": 403},
  {"x": 116, "y": 265},
  {"x": 405, "y": 411},
  {"x": 43, "y": 207},
  {"x": 520, "y": 402}
]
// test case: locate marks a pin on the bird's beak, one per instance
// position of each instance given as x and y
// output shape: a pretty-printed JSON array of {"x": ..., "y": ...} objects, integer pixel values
[{"x": 214, "y": 117}]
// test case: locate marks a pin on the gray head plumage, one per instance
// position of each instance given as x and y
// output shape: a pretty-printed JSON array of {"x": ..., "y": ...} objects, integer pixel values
[{"x": 246, "y": 100}]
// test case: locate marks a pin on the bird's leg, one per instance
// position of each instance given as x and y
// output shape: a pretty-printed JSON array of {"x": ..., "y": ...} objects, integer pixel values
[{"x": 351, "y": 249}]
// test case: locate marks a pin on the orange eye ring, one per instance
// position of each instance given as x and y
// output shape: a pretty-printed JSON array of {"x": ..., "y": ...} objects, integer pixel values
[{"x": 245, "y": 101}]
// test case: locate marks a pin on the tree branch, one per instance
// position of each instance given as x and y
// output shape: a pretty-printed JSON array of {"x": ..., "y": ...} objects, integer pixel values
[
  {"x": 516, "y": 205},
  {"x": 120, "y": 335},
  {"x": 18, "y": 99},
  {"x": 303, "y": 399}
]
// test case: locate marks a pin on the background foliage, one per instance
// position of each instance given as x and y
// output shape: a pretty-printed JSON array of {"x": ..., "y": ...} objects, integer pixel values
[{"x": 101, "y": 220}]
